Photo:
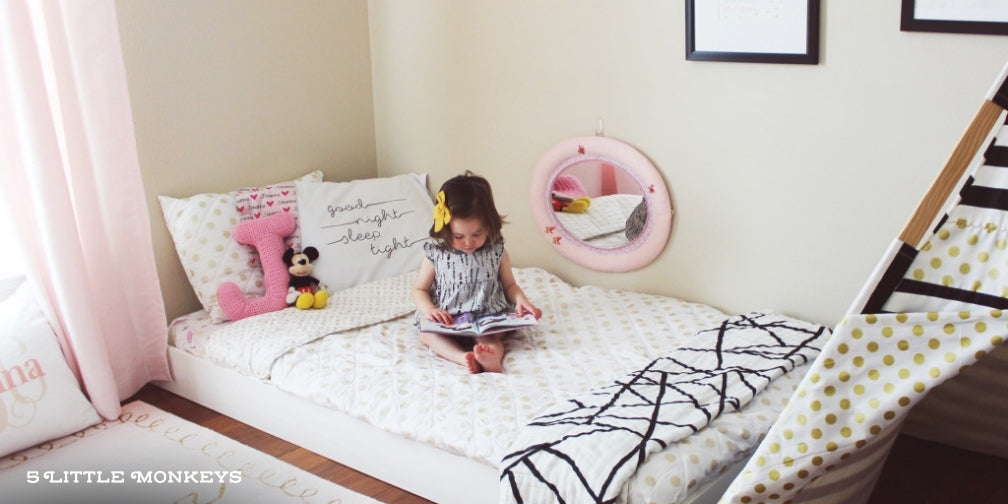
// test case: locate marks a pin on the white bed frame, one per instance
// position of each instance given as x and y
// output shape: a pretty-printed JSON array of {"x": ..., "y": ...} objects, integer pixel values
[{"x": 408, "y": 464}]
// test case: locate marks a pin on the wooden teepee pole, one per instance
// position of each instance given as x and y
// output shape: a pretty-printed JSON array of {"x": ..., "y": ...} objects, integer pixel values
[
  {"x": 892, "y": 266},
  {"x": 951, "y": 174}
]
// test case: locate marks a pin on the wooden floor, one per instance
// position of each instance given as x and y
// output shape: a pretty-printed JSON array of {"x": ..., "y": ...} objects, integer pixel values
[
  {"x": 916, "y": 471},
  {"x": 925, "y": 472}
]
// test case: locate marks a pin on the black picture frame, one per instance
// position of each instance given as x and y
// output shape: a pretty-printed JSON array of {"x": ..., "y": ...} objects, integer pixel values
[
  {"x": 910, "y": 22},
  {"x": 738, "y": 53}
]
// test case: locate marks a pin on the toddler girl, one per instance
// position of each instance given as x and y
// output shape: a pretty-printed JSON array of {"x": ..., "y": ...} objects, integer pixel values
[{"x": 467, "y": 270}]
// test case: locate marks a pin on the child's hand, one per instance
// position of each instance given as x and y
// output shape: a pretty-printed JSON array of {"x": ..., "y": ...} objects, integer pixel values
[
  {"x": 523, "y": 306},
  {"x": 440, "y": 316}
]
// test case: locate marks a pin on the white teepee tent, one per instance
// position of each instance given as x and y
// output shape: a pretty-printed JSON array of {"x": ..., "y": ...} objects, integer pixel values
[{"x": 935, "y": 305}]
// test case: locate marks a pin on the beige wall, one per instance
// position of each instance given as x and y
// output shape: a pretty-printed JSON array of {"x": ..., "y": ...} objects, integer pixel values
[
  {"x": 233, "y": 93},
  {"x": 790, "y": 180}
]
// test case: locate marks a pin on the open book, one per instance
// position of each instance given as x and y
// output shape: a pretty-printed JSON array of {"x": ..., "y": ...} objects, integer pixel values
[{"x": 467, "y": 324}]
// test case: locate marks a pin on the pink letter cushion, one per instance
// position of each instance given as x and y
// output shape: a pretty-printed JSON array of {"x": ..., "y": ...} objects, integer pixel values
[
  {"x": 267, "y": 236},
  {"x": 260, "y": 202},
  {"x": 201, "y": 227},
  {"x": 39, "y": 397}
]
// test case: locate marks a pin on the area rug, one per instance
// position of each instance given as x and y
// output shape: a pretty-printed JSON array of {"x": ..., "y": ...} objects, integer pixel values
[{"x": 151, "y": 456}]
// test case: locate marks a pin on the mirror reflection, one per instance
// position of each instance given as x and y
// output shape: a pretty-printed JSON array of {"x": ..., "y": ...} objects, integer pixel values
[
  {"x": 601, "y": 203},
  {"x": 598, "y": 203}
]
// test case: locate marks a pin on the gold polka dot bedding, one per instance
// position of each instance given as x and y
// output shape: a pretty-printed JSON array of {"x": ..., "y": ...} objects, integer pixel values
[
  {"x": 588, "y": 338},
  {"x": 583, "y": 449}
]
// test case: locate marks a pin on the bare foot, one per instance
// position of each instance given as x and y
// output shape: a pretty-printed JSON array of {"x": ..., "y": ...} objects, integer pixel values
[
  {"x": 488, "y": 357},
  {"x": 471, "y": 363}
]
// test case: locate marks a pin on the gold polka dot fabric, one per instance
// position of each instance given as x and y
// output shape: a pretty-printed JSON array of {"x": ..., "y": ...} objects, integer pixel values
[
  {"x": 942, "y": 316},
  {"x": 872, "y": 371},
  {"x": 962, "y": 266}
]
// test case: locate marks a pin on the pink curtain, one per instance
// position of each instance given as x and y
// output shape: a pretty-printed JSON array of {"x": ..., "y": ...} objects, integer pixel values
[{"x": 71, "y": 181}]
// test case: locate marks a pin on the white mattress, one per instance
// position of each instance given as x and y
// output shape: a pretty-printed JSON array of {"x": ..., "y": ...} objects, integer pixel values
[{"x": 588, "y": 337}]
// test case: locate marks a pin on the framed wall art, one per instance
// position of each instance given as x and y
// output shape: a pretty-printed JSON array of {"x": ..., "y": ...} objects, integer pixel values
[
  {"x": 989, "y": 17},
  {"x": 753, "y": 31}
]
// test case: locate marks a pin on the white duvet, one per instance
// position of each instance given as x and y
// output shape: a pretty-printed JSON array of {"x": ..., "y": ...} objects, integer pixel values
[{"x": 588, "y": 337}]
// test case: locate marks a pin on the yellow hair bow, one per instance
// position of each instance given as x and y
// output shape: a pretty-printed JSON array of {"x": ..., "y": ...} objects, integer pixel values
[{"x": 442, "y": 215}]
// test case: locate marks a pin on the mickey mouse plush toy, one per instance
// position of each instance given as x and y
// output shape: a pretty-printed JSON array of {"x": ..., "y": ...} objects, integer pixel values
[{"x": 305, "y": 290}]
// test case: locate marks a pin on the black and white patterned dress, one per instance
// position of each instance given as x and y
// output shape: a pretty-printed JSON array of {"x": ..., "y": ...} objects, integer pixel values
[{"x": 467, "y": 282}]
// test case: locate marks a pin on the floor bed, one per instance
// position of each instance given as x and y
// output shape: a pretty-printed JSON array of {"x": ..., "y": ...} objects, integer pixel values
[{"x": 373, "y": 398}]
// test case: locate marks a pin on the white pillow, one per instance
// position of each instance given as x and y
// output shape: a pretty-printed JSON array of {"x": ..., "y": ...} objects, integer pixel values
[
  {"x": 366, "y": 229},
  {"x": 201, "y": 228},
  {"x": 39, "y": 395}
]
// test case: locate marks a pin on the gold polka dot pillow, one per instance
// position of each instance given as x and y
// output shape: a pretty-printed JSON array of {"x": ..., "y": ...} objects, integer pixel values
[{"x": 201, "y": 227}]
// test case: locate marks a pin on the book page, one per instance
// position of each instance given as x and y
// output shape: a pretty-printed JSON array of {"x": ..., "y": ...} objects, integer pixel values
[
  {"x": 505, "y": 320},
  {"x": 465, "y": 325}
]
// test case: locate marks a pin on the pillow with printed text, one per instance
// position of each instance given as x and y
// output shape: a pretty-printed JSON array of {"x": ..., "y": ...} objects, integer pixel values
[
  {"x": 40, "y": 397},
  {"x": 366, "y": 229}
]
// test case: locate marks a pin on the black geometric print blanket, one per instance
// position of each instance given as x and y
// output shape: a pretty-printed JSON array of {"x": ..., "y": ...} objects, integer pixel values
[{"x": 585, "y": 449}]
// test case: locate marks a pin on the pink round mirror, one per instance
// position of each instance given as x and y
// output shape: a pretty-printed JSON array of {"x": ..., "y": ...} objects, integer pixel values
[{"x": 601, "y": 203}]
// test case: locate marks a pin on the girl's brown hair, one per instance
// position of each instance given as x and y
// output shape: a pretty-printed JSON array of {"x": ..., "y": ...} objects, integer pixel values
[{"x": 470, "y": 196}]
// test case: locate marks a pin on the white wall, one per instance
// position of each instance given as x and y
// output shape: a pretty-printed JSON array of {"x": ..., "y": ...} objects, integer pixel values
[
  {"x": 237, "y": 93},
  {"x": 789, "y": 180}
]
